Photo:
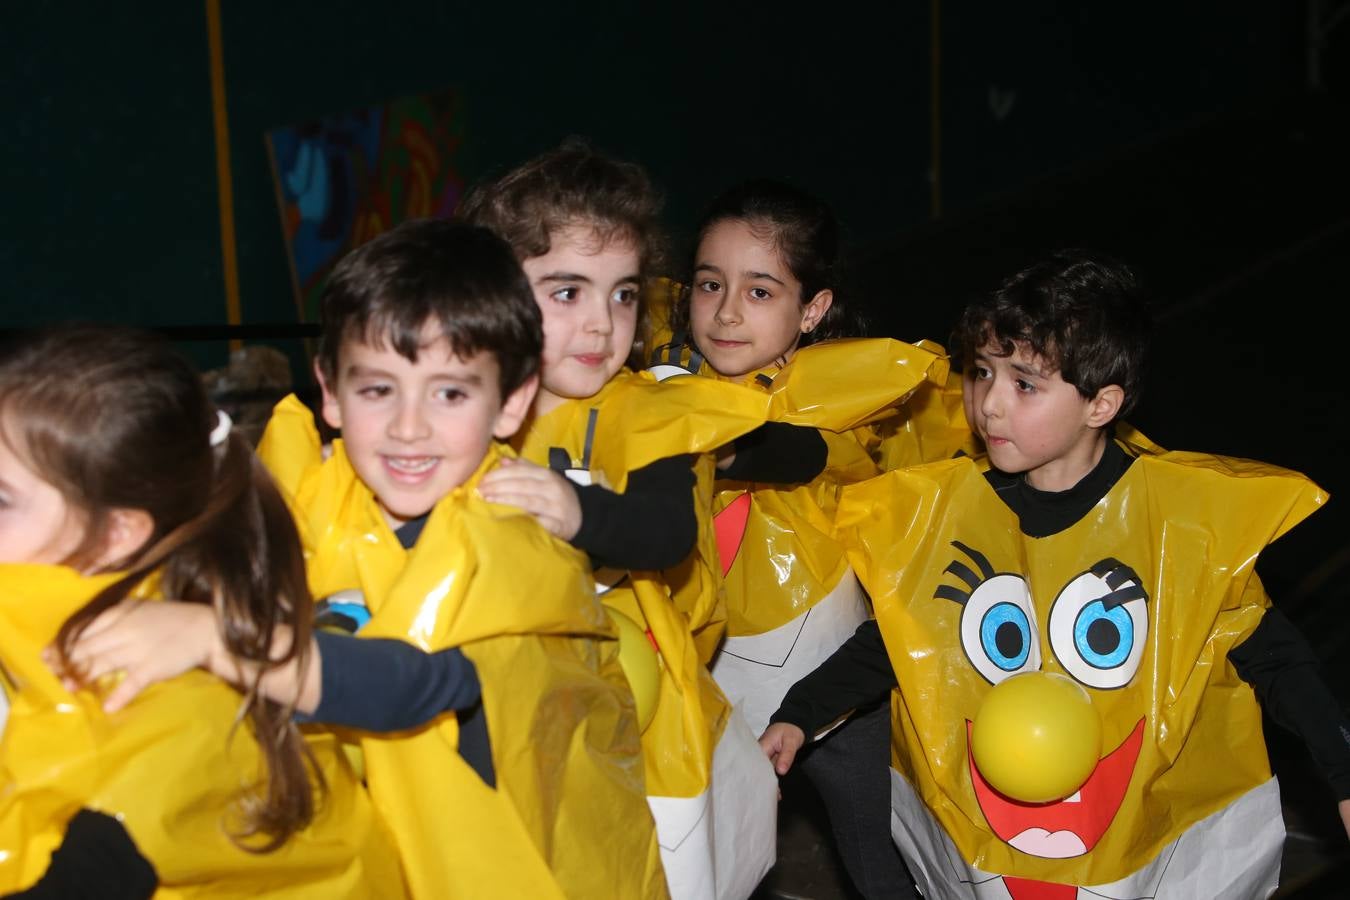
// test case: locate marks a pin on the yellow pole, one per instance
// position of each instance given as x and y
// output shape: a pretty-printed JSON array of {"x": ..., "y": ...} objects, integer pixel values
[
  {"x": 935, "y": 111},
  {"x": 228, "y": 247}
]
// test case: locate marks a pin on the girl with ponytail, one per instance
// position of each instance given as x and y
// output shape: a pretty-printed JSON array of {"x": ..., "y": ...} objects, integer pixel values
[{"x": 119, "y": 480}]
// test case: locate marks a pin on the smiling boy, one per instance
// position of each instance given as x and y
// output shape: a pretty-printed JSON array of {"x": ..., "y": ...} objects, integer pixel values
[{"x": 428, "y": 358}]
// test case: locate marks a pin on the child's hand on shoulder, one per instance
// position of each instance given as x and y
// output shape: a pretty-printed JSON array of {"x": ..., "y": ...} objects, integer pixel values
[
  {"x": 780, "y": 743},
  {"x": 543, "y": 493},
  {"x": 147, "y": 640}
]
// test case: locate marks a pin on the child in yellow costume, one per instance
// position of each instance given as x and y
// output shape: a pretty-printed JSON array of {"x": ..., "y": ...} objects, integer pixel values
[
  {"x": 621, "y": 466},
  {"x": 113, "y": 462},
  {"x": 430, "y": 350},
  {"x": 763, "y": 285},
  {"x": 431, "y": 343},
  {"x": 1096, "y": 590}
]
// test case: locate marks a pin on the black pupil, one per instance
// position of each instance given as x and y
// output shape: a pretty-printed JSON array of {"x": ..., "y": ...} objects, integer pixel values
[
  {"x": 1008, "y": 640},
  {"x": 1103, "y": 637}
]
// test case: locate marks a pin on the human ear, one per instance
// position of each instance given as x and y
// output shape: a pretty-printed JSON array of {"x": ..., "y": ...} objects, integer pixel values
[
  {"x": 124, "y": 534},
  {"x": 332, "y": 412},
  {"x": 814, "y": 311},
  {"x": 515, "y": 408},
  {"x": 1104, "y": 407}
]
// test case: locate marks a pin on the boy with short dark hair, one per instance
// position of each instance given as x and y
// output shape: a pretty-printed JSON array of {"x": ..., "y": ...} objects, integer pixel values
[
  {"x": 429, "y": 358},
  {"x": 1074, "y": 554}
]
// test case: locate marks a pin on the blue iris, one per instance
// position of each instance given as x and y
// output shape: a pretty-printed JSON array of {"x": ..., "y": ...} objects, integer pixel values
[
  {"x": 1103, "y": 637},
  {"x": 1005, "y": 636}
]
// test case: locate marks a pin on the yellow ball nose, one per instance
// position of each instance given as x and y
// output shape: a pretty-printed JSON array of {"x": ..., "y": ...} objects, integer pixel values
[
  {"x": 1036, "y": 737},
  {"x": 641, "y": 665}
]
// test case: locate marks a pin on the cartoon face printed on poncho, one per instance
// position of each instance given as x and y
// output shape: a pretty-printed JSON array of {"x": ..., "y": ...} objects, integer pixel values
[
  {"x": 1138, "y": 603},
  {"x": 1096, "y": 630}
]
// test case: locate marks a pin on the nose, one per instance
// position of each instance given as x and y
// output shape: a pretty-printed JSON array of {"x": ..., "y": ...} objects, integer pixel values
[
  {"x": 599, "y": 317},
  {"x": 1036, "y": 737},
  {"x": 991, "y": 403},
  {"x": 728, "y": 310},
  {"x": 409, "y": 422}
]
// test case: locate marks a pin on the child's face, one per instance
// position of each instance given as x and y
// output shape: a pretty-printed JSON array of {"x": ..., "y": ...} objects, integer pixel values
[
  {"x": 415, "y": 431},
  {"x": 588, "y": 294},
  {"x": 746, "y": 308},
  {"x": 36, "y": 523},
  {"x": 1033, "y": 421}
]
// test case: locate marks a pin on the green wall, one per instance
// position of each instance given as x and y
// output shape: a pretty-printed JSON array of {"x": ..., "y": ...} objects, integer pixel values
[{"x": 111, "y": 205}]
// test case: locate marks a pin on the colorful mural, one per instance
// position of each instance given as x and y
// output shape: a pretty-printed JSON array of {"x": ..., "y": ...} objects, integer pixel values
[{"x": 342, "y": 180}]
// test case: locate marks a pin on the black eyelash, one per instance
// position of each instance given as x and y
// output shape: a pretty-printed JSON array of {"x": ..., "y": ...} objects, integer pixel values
[{"x": 966, "y": 574}]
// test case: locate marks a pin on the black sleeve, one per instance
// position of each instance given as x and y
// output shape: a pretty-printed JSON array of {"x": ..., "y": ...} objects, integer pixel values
[
  {"x": 97, "y": 859},
  {"x": 777, "y": 453},
  {"x": 651, "y": 525},
  {"x": 857, "y": 674},
  {"x": 382, "y": 684},
  {"x": 1281, "y": 667}
]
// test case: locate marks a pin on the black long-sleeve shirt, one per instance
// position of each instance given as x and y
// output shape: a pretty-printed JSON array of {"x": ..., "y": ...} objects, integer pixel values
[
  {"x": 1275, "y": 658},
  {"x": 777, "y": 453},
  {"x": 652, "y": 525}
]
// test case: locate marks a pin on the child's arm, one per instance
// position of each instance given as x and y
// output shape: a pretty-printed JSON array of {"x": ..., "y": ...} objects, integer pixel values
[
  {"x": 373, "y": 684},
  {"x": 856, "y": 674},
  {"x": 382, "y": 684},
  {"x": 651, "y": 525},
  {"x": 1281, "y": 667},
  {"x": 774, "y": 453}
]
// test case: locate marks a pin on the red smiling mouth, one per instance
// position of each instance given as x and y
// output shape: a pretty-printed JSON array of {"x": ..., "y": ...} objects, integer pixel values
[{"x": 1064, "y": 828}]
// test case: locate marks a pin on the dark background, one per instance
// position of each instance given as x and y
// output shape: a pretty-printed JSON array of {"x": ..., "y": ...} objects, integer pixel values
[{"x": 1206, "y": 143}]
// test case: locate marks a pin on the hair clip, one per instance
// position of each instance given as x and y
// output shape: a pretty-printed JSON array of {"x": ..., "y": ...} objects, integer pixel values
[{"x": 222, "y": 429}]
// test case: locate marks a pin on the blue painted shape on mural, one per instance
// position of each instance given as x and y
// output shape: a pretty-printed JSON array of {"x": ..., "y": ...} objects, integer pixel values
[{"x": 320, "y": 168}]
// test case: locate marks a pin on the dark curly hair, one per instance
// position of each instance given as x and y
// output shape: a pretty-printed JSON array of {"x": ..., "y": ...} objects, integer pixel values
[{"x": 1084, "y": 313}]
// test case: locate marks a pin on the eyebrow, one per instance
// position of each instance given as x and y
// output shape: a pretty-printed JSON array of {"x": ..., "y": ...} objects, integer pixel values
[
  {"x": 709, "y": 267},
  {"x": 1028, "y": 370},
  {"x": 564, "y": 276},
  {"x": 1020, "y": 368},
  {"x": 356, "y": 371}
]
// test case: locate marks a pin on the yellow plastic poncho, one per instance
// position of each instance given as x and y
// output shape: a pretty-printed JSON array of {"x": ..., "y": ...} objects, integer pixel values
[
  {"x": 790, "y": 559},
  {"x": 166, "y": 766},
  {"x": 568, "y": 817},
  {"x": 1140, "y": 602},
  {"x": 633, "y": 421},
  {"x": 930, "y": 426}
]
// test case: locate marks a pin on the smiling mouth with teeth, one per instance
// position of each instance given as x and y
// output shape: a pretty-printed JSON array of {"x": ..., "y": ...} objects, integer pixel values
[{"x": 411, "y": 465}]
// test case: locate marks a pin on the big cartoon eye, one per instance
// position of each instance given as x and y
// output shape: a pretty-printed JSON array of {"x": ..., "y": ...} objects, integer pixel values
[
  {"x": 1099, "y": 625},
  {"x": 998, "y": 628},
  {"x": 998, "y": 622}
]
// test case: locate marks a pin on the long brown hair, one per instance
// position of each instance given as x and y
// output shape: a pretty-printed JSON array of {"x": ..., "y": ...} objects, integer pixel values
[{"x": 114, "y": 418}]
